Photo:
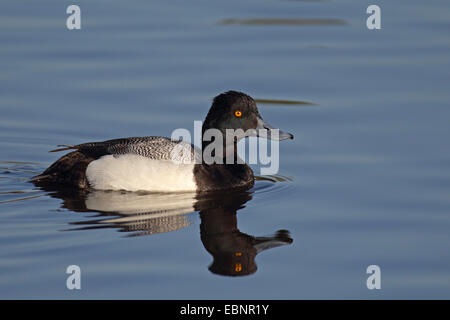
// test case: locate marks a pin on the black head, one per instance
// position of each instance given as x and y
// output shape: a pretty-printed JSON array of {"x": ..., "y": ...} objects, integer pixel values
[{"x": 236, "y": 110}]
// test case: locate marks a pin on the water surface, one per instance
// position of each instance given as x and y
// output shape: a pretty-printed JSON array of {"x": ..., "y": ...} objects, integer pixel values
[{"x": 366, "y": 180}]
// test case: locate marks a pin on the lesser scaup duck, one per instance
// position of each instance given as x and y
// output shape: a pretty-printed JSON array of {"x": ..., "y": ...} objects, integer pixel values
[{"x": 146, "y": 163}]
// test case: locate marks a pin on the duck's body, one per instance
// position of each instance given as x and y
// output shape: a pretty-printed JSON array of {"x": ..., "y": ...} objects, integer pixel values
[
  {"x": 154, "y": 163},
  {"x": 133, "y": 164},
  {"x": 144, "y": 163}
]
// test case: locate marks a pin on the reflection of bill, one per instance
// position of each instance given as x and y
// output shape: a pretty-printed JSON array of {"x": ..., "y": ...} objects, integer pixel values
[{"x": 141, "y": 214}]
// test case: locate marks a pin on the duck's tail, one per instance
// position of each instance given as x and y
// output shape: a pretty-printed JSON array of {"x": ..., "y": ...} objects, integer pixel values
[
  {"x": 65, "y": 147},
  {"x": 69, "y": 170}
]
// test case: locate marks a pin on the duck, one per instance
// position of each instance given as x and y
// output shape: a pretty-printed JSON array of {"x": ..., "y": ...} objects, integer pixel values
[{"x": 161, "y": 164}]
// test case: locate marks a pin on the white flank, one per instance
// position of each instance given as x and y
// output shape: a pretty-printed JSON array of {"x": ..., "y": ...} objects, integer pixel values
[{"x": 135, "y": 173}]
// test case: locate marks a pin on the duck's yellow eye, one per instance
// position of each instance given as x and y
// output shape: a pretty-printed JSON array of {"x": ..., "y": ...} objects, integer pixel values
[{"x": 238, "y": 113}]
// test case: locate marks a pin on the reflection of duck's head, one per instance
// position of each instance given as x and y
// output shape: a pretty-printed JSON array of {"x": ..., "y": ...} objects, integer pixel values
[{"x": 233, "y": 251}]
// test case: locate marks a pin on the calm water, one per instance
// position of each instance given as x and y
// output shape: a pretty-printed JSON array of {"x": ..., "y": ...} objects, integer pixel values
[{"x": 366, "y": 180}]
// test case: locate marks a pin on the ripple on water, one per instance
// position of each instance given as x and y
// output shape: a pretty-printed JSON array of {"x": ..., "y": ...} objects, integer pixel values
[
  {"x": 13, "y": 181},
  {"x": 272, "y": 184}
]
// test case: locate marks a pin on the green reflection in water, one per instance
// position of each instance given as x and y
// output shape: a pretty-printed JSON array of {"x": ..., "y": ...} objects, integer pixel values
[
  {"x": 289, "y": 102},
  {"x": 275, "y": 21}
]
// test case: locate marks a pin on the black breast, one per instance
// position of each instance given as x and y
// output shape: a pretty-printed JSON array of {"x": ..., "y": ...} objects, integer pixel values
[{"x": 215, "y": 177}]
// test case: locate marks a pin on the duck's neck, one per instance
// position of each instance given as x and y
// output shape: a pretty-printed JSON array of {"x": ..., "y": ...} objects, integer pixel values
[
  {"x": 216, "y": 172},
  {"x": 221, "y": 152}
]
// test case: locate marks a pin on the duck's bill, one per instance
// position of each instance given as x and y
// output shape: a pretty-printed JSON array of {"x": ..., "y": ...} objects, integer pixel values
[{"x": 265, "y": 130}]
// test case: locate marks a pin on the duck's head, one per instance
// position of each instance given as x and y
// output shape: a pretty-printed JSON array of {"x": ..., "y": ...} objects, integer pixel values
[{"x": 236, "y": 110}]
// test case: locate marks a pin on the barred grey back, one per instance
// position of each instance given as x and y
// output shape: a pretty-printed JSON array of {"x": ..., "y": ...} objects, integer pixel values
[{"x": 154, "y": 147}]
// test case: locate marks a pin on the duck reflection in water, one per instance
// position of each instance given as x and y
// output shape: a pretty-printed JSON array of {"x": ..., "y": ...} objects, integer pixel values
[
  {"x": 233, "y": 251},
  {"x": 141, "y": 214}
]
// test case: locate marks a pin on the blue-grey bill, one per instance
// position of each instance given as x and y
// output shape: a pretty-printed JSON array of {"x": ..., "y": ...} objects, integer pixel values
[{"x": 265, "y": 130}]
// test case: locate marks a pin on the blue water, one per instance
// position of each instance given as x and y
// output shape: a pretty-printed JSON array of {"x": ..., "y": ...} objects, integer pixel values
[{"x": 365, "y": 181}]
